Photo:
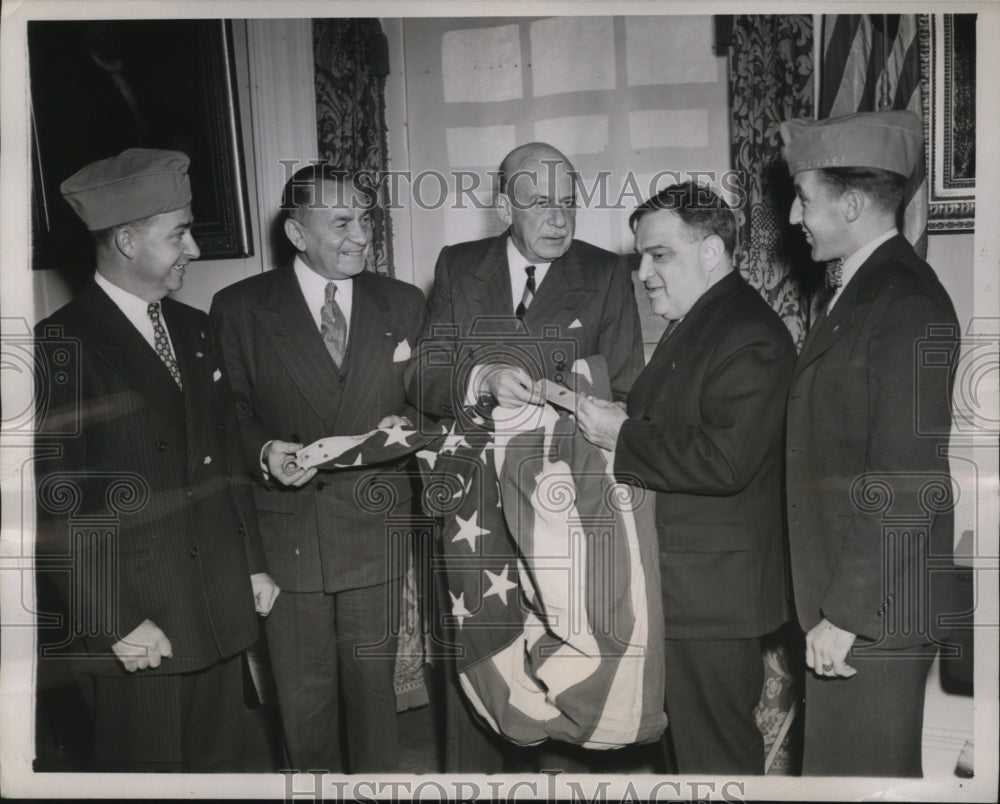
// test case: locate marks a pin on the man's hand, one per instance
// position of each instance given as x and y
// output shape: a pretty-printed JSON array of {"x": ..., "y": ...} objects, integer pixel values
[
  {"x": 600, "y": 421},
  {"x": 144, "y": 647},
  {"x": 279, "y": 457},
  {"x": 265, "y": 592},
  {"x": 510, "y": 386},
  {"x": 393, "y": 421},
  {"x": 826, "y": 649}
]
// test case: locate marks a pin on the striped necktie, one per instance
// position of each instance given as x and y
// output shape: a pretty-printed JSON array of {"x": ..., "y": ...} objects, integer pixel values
[
  {"x": 529, "y": 292},
  {"x": 162, "y": 344},
  {"x": 333, "y": 325}
]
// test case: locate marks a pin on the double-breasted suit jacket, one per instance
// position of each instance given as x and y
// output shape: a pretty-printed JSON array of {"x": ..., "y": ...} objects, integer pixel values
[
  {"x": 584, "y": 307},
  {"x": 869, "y": 415},
  {"x": 141, "y": 510},
  {"x": 705, "y": 433},
  {"x": 330, "y": 535}
]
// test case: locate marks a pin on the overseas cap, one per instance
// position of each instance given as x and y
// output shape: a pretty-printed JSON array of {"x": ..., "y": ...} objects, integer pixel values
[
  {"x": 136, "y": 184},
  {"x": 886, "y": 140}
]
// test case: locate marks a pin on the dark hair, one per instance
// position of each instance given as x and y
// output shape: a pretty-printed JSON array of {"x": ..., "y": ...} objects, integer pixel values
[
  {"x": 304, "y": 190},
  {"x": 105, "y": 237},
  {"x": 698, "y": 206},
  {"x": 884, "y": 187}
]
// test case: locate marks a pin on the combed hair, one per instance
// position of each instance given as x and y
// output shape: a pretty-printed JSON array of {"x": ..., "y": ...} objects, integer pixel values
[
  {"x": 304, "y": 189},
  {"x": 884, "y": 187},
  {"x": 106, "y": 237},
  {"x": 698, "y": 206}
]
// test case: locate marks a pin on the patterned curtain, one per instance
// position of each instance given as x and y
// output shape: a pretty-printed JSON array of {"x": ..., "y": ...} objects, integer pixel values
[
  {"x": 351, "y": 63},
  {"x": 770, "y": 80}
]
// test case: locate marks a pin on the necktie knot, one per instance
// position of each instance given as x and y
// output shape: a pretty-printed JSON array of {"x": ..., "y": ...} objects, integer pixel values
[{"x": 835, "y": 274}]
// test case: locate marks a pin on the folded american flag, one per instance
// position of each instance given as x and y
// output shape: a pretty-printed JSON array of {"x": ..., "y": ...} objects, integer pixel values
[{"x": 552, "y": 572}]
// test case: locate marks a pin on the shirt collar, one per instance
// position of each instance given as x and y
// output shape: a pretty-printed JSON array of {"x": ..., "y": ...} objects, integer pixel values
[
  {"x": 130, "y": 304},
  {"x": 312, "y": 282},
  {"x": 858, "y": 258},
  {"x": 516, "y": 260}
]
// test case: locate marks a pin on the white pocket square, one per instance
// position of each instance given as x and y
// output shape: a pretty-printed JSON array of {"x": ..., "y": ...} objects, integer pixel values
[
  {"x": 216, "y": 375},
  {"x": 576, "y": 324},
  {"x": 402, "y": 352}
]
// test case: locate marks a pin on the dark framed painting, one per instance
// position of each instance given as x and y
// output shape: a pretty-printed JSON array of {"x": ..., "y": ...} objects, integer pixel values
[
  {"x": 948, "y": 68},
  {"x": 101, "y": 86}
]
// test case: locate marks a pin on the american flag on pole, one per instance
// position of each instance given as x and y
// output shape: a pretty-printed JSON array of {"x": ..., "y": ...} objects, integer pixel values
[
  {"x": 552, "y": 569},
  {"x": 871, "y": 62},
  {"x": 553, "y": 579}
]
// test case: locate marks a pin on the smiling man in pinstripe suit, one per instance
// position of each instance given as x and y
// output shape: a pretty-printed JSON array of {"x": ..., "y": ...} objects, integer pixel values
[{"x": 317, "y": 348}]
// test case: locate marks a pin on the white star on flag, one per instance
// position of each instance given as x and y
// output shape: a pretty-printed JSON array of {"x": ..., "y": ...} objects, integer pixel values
[
  {"x": 458, "y": 609},
  {"x": 469, "y": 530},
  {"x": 499, "y": 584},
  {"x": 395, "y": 435}
]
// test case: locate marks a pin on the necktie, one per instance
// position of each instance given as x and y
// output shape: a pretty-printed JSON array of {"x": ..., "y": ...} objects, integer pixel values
[
  {"x": 529, "y": 292},
  {"x": 671, "y": 326},
  {"x": 835, "y": 274},
  {"x": 333, "y": 325},
  {"x": 162, "y": 344}
]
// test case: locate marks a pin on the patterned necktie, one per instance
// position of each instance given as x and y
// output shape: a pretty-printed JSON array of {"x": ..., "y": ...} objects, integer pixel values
[
  {"x": 162, "y": 344},
  {"x": 835, "y": 274},
  {"x": 529, "y": 292},
  {"x": 333, "y": 325}
]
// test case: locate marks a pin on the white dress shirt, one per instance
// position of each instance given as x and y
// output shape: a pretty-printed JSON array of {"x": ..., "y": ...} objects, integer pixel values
[
  {"x": 136, "y": 310},
  {"x": 855, "y": 261},
  {"x": 518, "y": 278},
  {"x": 314, "y": 289}
]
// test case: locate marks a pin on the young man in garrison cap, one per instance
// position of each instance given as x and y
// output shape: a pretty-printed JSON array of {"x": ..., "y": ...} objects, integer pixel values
[
  {"x": 868, "y": 485},
  {"x": 152, "y": 544}
]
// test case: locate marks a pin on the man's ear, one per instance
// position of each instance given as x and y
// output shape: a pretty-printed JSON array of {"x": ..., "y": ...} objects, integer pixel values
[
  {"x": 125, "y": 241},
  {"x": 853, "y": 203},
  {"x": 293, "y": 231},
  {"x": 712, "y": 251},
  {"x": 504, "y": 209}
]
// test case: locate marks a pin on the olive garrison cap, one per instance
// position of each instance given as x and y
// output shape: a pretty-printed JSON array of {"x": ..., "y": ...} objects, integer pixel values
[
  {"x": 890, "y": 140},
  {"x": 138, "y": 183}
]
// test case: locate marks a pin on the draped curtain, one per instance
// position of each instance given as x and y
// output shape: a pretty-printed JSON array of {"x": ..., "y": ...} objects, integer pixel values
[
  {"x": 770, "y": 80},
  {"x": 351, "y": 63}
]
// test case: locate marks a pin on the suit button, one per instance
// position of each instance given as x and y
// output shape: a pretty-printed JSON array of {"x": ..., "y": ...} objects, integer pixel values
[
  {"x": 161, "y": 446},
  {"x": 320, "y": 485},
  {"x": 559, "y": 377},
  {"x": 222, "y": 428},
  {"x": 190, "y": 494},
  {"x": 194, "y": 552}
]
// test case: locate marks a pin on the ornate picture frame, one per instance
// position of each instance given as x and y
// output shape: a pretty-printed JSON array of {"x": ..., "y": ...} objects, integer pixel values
[
  {"x": 948, "y": 70},
  {"x": 101, "y": 86}
]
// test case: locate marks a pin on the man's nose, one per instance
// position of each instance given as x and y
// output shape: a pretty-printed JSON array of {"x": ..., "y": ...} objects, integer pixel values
[
  {"x": 795, "y": 216},
  {"x": 360, "y": 233},
  {"x": 645, "y": 272},
  {"x": 191, "y": 247}
]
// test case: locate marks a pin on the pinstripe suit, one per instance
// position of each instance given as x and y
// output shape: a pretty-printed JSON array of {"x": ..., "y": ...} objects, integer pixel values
[
  {"x": 326, "y": 542},
  {"x": 170, "y": 538}
]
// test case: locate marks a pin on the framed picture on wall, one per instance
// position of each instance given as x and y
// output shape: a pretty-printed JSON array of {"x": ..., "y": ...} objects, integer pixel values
[
  {"x": 101, "y": 86},
  {"x": 948, "y": 67}
]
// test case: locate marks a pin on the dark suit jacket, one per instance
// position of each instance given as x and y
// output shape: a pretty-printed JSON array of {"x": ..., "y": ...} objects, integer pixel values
[
  {"x": 864, "y": 400},
  {"x": 705, "y": 433},
  {"x": 330, "y": 534},
  {"x": 134, "y": 483},
  {"x": 585, "y": 306}
]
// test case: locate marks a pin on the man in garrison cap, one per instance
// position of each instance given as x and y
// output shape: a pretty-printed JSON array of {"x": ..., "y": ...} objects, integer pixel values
[
  {"x": 869, "y": 494},
  {"x": 150, "y": 536}
]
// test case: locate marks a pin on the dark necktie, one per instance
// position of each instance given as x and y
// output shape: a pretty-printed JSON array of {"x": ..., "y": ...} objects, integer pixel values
[
  {"x": 161, "y": 343},
  {"x": 671, "y": 326},
  {"x": 529, "y": 292},
  {"x": 333, "y": 325}
]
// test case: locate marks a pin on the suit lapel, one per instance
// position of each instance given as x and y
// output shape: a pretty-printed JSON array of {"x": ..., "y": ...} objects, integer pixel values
[
  {"x": 558, "y": 297},
  {"x": 120, "y": 345},
  {"x": 487, "y": 286},
  {"x": 192, "y": 351},
  {"x": 289, "y": 326},
  {"x": 683, "y": 345},
  {"x": 370, "y": 344}
]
